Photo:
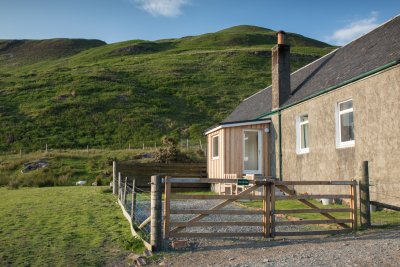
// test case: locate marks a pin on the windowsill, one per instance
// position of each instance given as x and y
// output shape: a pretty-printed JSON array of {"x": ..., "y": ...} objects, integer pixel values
[
  {"x": 214, "y": 158},
  {"x": 345, "y": 145},
  {"x": 252, "y": 172},
  {"x": 303, "y": 151}
]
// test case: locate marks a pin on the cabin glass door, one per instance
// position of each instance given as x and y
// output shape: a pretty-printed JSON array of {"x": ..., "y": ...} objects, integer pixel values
[{"x": 252, "y": 151}]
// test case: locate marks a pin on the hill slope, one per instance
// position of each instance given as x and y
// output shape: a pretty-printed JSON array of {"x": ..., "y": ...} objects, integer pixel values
[
  {"x": 135, "y": 91},
  {"x": 22, "y": 52}
]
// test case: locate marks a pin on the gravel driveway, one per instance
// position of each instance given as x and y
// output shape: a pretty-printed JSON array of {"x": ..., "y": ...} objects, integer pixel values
[
  {"x": 368, "y": 248},
  {"x": 207, "y": 204}
]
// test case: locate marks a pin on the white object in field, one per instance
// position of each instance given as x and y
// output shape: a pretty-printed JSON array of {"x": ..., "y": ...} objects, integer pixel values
[
  {"x": 81, "y": 183},
  {"x": 326, "y": 201}
]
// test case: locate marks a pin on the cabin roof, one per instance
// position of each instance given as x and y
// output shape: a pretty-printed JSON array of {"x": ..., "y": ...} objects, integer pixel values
[{"x": 372, "y": 50}]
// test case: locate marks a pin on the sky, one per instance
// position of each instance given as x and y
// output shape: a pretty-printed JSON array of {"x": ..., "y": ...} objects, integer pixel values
[{"x": 335, "y": 22}]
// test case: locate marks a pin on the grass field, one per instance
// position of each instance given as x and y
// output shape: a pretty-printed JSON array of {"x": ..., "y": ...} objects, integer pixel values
[{"x": 63, "y": 226}]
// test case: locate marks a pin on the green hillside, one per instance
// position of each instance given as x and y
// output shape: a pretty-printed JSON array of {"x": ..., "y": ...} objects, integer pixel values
[{"x": 73, "y": 93}]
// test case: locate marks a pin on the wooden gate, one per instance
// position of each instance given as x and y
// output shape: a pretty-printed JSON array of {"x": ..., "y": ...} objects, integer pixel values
[
  {"x": 345, "y": 225},
  {"x": 268, "y": 197}
]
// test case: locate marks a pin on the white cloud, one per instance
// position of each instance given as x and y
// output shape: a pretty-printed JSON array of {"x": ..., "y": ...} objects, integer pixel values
[
  {"x": 354, "y": 29},
  {"x": 166, "y": 8}
]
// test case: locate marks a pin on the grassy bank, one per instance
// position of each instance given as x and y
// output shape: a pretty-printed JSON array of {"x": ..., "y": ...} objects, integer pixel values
[
  {"x": 62, "y": 226},
  {"x": 65, "y": 167}
]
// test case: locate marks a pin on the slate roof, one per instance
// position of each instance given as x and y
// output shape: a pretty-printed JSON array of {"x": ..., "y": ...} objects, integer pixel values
[{"x": 374, "y": 49}]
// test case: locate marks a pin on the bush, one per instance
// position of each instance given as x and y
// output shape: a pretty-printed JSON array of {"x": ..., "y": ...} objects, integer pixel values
[
  {"x": 168, "y": 153},
  {"x": 99, "y": 180},
  {"x": 13, "y": 184}
]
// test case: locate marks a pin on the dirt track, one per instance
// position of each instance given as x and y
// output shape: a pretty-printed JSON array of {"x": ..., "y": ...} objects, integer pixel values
[{"x": 372, "y": 248}]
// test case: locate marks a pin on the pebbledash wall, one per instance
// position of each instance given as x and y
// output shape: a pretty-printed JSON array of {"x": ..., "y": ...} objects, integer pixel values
[{"x": 376, "y": 106}]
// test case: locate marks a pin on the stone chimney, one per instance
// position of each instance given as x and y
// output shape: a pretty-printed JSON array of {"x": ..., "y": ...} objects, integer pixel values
[{"x": 280, "y": 71}]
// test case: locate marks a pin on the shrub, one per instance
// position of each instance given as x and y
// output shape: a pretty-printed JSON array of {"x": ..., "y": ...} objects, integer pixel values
[
  {"x": 168, "y": 153},
  {"x": 99, "y": 180},
  {"x": 13, "y": 184}
]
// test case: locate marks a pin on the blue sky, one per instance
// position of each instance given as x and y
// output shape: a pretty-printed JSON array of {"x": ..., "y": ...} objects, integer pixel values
[{"x": 335, "y": 22}]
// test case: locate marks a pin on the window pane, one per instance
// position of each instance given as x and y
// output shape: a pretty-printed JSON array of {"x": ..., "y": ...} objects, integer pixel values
[
  {"x": 250, "y": 155},
  {"x": 346, "y": 105},
  {"x": 304, "y": 136},
  {"x": 215, "y": 146},
  {"x": 347, "y": 127}
]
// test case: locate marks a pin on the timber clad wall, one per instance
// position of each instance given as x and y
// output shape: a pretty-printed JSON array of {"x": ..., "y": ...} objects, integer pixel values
[
  {"x": 376, "y": 101},
  {"x": 231, "y": 151},
  {"x": 214, "y": 166}
]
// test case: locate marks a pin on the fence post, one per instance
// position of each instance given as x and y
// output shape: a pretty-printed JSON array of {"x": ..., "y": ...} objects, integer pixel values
[
  {"x": 126, "y": 183},
  {"x": 115, "y": 179},
  {"x": 272, "y": 191},
  {"x": 155, "y": 213},
  {"x": 167, "y": 206},
  {"x": 133, "y": 203},
  {"x": 353, "y": 204},
  {"x": 119, "y": 185},
  {"x": 267, "y": 211},
  {"x": 364, "y": 196}
]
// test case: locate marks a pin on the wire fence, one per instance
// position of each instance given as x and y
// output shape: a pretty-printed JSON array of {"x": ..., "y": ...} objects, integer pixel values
[
  {"x": 136, "y": 203},
  {"x": 385, "y": 198},
  {"x": 183, "y": 144}
]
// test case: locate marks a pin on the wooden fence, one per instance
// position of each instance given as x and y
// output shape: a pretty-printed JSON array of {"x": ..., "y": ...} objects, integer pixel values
[
  {"x": 162, "y": 227},
  {"x": 173, "y": 229}
]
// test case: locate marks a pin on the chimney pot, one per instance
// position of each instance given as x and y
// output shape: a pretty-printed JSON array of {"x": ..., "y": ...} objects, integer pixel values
[{"x": 281, "y": 37}]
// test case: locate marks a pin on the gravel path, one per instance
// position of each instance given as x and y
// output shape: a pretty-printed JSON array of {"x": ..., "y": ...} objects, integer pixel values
[
  {"x": 202, "y": 204},
  {"x": 369, "y": 248}
]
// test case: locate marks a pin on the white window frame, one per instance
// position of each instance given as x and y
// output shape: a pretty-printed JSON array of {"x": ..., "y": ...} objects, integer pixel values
[
  {"x": 299, "y": 123},
  {"x": 212, "y": 147},
  {"x": 339, "y": 143},
  {"x": 259, "y": 150}
]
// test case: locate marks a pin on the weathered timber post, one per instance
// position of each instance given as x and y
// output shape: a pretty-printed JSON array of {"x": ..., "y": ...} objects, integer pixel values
[
  {"x": 126, "y": 184},
  {"x": 133, "y": 203},
  {"x": 115, "y": 179},
  {"x": 267, "y": 210},
  {"x": 364, "y": 196},
  {"x": 353, "y": 205},
  {"x": 167, "y": 208},
  {"x": 155, "y": 213},
  {"x": 272, "y": 216},
  {"x": 119, "y": 186}
]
